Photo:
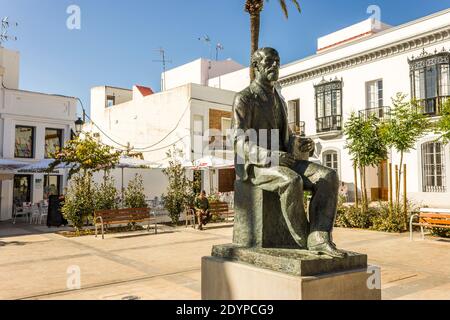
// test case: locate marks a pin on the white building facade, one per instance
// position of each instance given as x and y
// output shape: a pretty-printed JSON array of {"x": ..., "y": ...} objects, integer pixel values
[
  {"x": 180, "y": 116},
  {"x": 32, "y": 126},
  {"x": 359, "y": 69}
]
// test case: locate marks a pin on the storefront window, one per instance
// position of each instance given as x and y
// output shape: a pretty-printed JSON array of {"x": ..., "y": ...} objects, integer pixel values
[
  {"x": 22, "y": 189},
  {"x": 53, "y": 141},
  {"x": 24, "y": 147},
  {"x": 52, "y": 186}
]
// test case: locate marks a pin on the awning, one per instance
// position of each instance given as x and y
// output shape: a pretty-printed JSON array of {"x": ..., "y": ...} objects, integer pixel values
[
  {"x": 129, "y": 162},
  {"x": 212, "y": 162},
  {"x": 9, "y": 164},
  {"x": 42, "y": 166}
]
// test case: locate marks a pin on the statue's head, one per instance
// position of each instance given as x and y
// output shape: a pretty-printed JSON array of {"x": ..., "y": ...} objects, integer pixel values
[{"x": 266, "y": 63}]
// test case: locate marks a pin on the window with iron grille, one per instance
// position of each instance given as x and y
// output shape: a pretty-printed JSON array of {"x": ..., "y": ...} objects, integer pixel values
[
  {"x": 328, "y": 96},
  {"x": 433, "y": 167},
  {"x": 430, "y": 80}
]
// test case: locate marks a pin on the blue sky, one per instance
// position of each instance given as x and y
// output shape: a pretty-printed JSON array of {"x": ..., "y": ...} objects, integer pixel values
[{"x": 117, "y": 41}]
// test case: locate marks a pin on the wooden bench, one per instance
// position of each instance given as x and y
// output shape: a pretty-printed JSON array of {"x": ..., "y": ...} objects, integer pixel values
[
  {"x": 121, "y": 216},
  {"x": 217, "y": 208},
  {"x": 221, "y": 209},
  {"x": 430, "y": 218}
]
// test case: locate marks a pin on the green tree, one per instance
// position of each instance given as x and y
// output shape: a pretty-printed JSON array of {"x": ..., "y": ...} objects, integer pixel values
[
  {"x": 180, "y": 188},
  {"x": 254, "y": 9},
  {"x": 86, "y": 154},
  {"x": 406, "y": 125},
  {"x": 79, "y": 201},
  {"x": 106, "y": 196},
  {"x": 366, "y": 146},
  {"x": 443, "y": 124},
  {"x": 134, "y": 195}
]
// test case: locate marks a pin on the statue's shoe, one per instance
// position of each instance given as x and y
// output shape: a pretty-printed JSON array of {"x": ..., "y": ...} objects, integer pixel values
[
  {"x": 320, "y": 242},
  {"x": 329, "y": 249}
]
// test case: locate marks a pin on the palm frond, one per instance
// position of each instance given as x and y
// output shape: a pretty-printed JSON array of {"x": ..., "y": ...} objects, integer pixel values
[
  {"x": 297, "y": 5},
  {"x": 284, "y": 8}
]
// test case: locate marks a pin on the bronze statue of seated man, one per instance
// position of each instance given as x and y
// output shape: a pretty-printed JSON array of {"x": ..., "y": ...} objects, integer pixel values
[{"x": 280, "y": 163}]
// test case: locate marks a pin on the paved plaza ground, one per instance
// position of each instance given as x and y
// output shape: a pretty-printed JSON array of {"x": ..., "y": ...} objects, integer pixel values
[{"x": 34, "y": 263}]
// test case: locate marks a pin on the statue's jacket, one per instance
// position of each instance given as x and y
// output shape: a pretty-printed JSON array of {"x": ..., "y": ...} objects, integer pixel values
[{"x": 259, "y": 109}]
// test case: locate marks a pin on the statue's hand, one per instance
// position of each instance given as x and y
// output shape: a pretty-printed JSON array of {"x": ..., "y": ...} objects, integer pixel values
[
  {"x": 307, "y": 145},
  {"x": 284, "y": 159}
]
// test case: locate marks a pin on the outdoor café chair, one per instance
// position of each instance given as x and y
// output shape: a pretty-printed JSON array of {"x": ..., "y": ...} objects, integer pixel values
[
  {"x": 35, "y": 214},
  {"x": 43, "y": 209},
  {"x": 19, "y": 212}
]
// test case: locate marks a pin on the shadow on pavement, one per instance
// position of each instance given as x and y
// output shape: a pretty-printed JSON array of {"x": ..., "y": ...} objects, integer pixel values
[
  {"x": 143, "y": 235},
  {"x": 8, "y": 229},
  {"x": 12, "y": 243}
]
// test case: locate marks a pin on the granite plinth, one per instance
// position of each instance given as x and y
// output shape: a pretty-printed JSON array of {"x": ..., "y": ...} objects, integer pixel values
[
  {"x": 228, "y": 280},
  {"x": 290, "y": 261}
]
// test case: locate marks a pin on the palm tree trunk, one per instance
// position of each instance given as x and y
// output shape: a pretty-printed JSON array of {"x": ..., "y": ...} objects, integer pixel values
[{"x": 255, "y": 21}]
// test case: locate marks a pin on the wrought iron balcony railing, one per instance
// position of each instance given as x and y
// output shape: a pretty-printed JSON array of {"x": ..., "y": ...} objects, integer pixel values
[
  {"x": 437, "y": 189},
  {"x": 382, "y": 113},
  {"x": 329, "y": 123},
  {"x": 432, "y": 106}
]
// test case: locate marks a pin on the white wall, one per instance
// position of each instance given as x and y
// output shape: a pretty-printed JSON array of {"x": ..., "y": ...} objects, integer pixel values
[
  {"x": 155, "y": 182},
  {"x": 166, "y": 116},
  {"x": 198, "y": 72},
  {"x": 9, "y": 62},
  {"x": 234, "y": 81},
  {"x": 38, "y": 110},
  {"x": 100, "y": 93},
  {"x": 365, "y": 45},
  {"x": 363, "y": 28}
]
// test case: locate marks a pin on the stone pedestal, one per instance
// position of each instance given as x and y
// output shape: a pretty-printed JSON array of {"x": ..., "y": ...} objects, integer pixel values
[
  {"x": 258, "y": 220},
  {"x": 229, "y": 280},
  {"x": 264, "y": 262}
]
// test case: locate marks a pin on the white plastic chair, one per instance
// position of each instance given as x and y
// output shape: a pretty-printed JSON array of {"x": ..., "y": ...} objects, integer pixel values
[
  {"x": 20, "y": 212},
  {"x": 43, "y": 209},
  {"x": 35, "y": 213}
]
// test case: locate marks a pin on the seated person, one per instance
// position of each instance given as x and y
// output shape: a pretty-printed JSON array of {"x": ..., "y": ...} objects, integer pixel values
[{"x": 201, "y": 205}]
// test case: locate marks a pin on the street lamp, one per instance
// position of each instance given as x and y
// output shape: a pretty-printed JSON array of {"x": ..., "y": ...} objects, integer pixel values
[{"x": 79, "y": 126}]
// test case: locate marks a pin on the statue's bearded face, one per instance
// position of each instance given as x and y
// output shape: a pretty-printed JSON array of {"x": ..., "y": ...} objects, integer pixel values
[{"x": 269, "y": 66}]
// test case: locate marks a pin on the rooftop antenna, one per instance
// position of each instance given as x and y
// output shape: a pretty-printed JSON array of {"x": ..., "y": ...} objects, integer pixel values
[
  {"x": 219, "y": 46},
  {"x": 164, "y": 62},
  {"x": 206, "y": 39},
  {"x": 6, "y": 24}
]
